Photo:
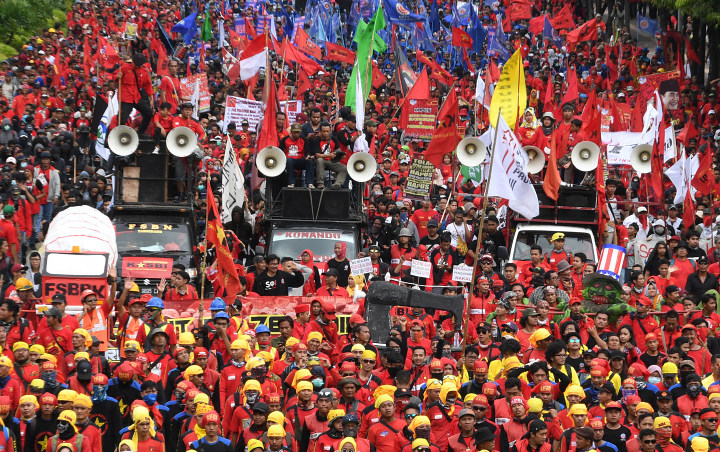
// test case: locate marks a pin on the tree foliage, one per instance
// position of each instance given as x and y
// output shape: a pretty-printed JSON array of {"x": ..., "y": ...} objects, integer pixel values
[
  {"x": 706, "y": 10},
  {"x": 22, "y": 19}
]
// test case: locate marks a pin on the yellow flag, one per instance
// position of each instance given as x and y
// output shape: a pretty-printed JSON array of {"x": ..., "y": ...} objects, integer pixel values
[{"x": 510, "y": 96}]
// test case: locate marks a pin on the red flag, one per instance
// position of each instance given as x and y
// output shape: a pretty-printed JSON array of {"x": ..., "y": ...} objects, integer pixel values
[
  {"x": 655, "y": 177},
  {"x": 591, "y": 120},
  {"x": 231, "y": 66},
  {"x": 563, "y": 18},
  {"x": 692, "y": 55},
  {"x": 704, "y": 180},
  {"x": 461, "y": 38},
  {"x": 163, "y": 62},
  {"x": 419, "y": 90},
  {"x": 586, "y": 32},
  {"x": 689, "y": 131},
  {"x": 572, "y": 91},
  {"x": 519, "y": 10},
  {"x": 551, "y": 184},
  {"x": 618, "y": 120},
  {"x": 549, "y": 90},
  {"x": 250, "y": 29},
  {"x": 236, "y": 41},
  {"x": 688, "y": 216},
  {"x": 215, "y": 235},
  {"x": 446, "y": 136},
  {"x": 304, "y": 43},
  {"x": 537, "y": 24},
  {"x": 107, "y": 54},
  {"x": 420, "y": 56},
  {"x": 87, "y": 58},
  {"x": 293, "y": 54},
  {"x": 304, "y": 83},
  {"x": 339, "y": 53},
  {"x": 378, "y": 77},
  {"x": 494, "y": 71},
  {"x": 268, "y": 134},
  {"x": 441, "y": 75}
]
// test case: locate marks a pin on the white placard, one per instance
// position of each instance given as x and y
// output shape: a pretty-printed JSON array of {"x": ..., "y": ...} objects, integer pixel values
[
  {"x": 620, "y": 145},
  {"x": 361, "y": 266},
  {"x": 421, "y": 269},
  {"x": 462, "y": 273},
  {"x": 238, "y": 109}
]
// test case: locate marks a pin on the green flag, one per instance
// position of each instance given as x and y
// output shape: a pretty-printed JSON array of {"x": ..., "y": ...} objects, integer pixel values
[
  {"x": 367, "y": 41},
  {"x": 471, "y": 172},
  {"x": 206, "y": 34}
]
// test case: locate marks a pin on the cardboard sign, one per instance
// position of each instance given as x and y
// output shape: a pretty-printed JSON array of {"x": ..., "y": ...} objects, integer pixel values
[
  {"x": 421, "y": 269},
  {"x": 643, "y": 248},
  {"x": 239, "y": 109},
  {"x": 131, "y": 31},
  {"x": 146, "y": 267},
  {"x": 420, "y": 118},
  {"x": 291, "y": 109},
  {"x": 187, "y": 89},
  {"x": 419, "y": 179},
  {"x": 462, "y": 273},
  {"x": 361, "y": 266}
]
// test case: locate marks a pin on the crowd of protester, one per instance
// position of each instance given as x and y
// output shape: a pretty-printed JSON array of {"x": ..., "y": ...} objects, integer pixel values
[{"x": 535, "y": 372}]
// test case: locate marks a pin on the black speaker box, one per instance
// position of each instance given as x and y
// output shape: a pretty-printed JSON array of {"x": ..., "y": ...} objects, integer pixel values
[{"x": 320, "y": 205}]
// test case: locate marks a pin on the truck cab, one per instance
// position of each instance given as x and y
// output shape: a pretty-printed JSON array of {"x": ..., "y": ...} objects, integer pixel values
[{"x": 291, "y": 238}]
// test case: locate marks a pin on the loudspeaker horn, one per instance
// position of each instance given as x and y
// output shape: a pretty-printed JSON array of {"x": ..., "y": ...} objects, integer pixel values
[
  {"x": 181, "y": 141},
  {"x": 361, "y": 167},
  {"x": 123, "y": 140},
  {"x": 536, "y": 159},
  {"x": 585, "y": 156},
  {"x": 640, "y": 158},
  {"x": 271, "y": 161},
  {"x": 471, "y": 151}
]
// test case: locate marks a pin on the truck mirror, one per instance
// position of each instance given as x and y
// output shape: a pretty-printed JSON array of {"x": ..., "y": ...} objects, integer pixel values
[{"x": 502, "y": 253}]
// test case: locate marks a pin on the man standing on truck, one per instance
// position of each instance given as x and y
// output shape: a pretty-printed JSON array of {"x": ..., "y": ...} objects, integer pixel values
[
  {"x": 274, "y": 282},
  {"x": 184, "y": 119},
  {"x": 558, "y": 253}
]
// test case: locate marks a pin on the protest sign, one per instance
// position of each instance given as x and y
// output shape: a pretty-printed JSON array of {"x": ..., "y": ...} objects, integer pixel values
[
  {"x": 419, "y": 179},
  {"x": 291, "y": 109},
  {"x": 238, "y": 109},
  {"x": 462, "y": 273},
  {"x": 361, "y": 266},
  {"x": 420, "y": 118},
  {"x": 131, "y": 31},
  {"x": 187, "y": 89},
  {"x": 421, "y": 269}
]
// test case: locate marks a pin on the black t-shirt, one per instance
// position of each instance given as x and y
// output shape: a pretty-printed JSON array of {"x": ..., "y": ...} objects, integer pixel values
[
  {"x": 618, "y": 437},
  {"x": 343, "y": 268},
  {"x": 430, "y": 243},
  {"x": 652, "y": 360}
]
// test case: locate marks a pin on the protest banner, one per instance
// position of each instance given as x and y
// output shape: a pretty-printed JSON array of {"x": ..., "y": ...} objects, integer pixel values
[
  {"x": 419, "y": 179},
  {"x": 187, "y": 89},
  {"x": 421, "y": 269},
  {"x": 620, "y": 146},
  {"x": 361, "y": 266},
  {"x": 420, "y": 119},
  {"x": 131, "y": 31},
  {"x": 291, "y": 109},
  {"x": 238, "y": 109}
]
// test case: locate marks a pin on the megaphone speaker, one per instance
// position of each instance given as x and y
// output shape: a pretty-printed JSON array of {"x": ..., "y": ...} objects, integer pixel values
[
  {"x": 271, "y": 161},
  {"x": 585, "y": 156},
  {"x": 361, "y": 167},
  {"x": 181, "y": 141},
  {"x": 536, "y": 159},
  {"x": 471, "y": 151},
  {"x": 123, "y": 140},
  {"x": 640, "y": 158}
]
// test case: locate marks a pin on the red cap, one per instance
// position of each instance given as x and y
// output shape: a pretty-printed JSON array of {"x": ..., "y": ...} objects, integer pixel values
[
  {"x": 631, "y": 399},
  {"x": 597, "y": 423},
  {"x": 638, "y": 369},
  {"x": 481, "y": 400},
  {"x": 651, "y": 337},
  {"x": 614, "y": 404},
  {"x": 436, "y": 364},
  {"x": 300, "y": 308},
  {"x": 200, "y": 352},
  {"x": 597, "y": 371},
  {"x": 47, "y": 366},
  {"x": 480, "y": 366},
  {"x": 357, "y": 319},
  {"x": 489, "y": 388},
  {"x": 645, "y": 301},
  {"x": 543, "y": 387},
  {"x": 125, "y": 371},
  {"x": 349, "y": 366},
  {"x": 49, "y": 398},
  {"x": 100, "y": 380},
  {"x": 299, "y": 346},
  {"x": 273, "y": 397},
  {"x": 329, "y": 310}
]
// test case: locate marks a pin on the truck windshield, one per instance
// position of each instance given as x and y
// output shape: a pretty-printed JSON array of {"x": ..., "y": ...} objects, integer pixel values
[
  {"x": 575, "y": 242},
  {"x": 292, "y": 242},
  {"x": 152, "y": 237}
]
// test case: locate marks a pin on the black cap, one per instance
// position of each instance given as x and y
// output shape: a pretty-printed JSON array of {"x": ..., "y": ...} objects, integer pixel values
[
  {"x": 607, "y": 387},
  {"x": 84, "y": 370},
  {"x": 261, "y": 407},
  {"x": 617, "y": 354},
  {"x": 682, "y": 244},
  {"x": 59, "y": 297},
  {"x": 402, "y": 392},
  {"x": 702, "y": 260},
  {"x": 187, "y": 105},
  {"x": 485, "y": 434},
  {"x": 536, "y": 425},
  {"x": 664, "y": 395},
  {"x": 332, "y": 272}
]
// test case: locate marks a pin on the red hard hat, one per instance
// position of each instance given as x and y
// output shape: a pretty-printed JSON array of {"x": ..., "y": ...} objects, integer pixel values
[{"x": 87, "y": 292}]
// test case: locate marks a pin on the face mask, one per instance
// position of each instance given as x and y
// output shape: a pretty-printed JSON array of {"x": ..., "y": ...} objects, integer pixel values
[
  {"x": 49, "y": 377},
  {"x": 450, "y": 401},
  {"x": 23, "y": 164},
  {"x": 7, "y": 127},
  {"x": 62, "y": 427},
  {"x": 640, "y": 383},
  {"x": 393, "y": 371},
  {"x": 447, "y": 354},
  {"x": 654, "y": 380},
  {"x": 350, "y": 432},
  {"x": 318, "y": 383},
  {"x": 693, "y": 390},
  {"x": 628, "y": 392},
  {"x": 437, "y": 376},
  {"x": 422, "y": 433},
  {"x": 251, "y": 398},
  {"x": 150, "y": 399},
  {"x": 659, "y": 230},
  {"x": 180, "y": 397}
]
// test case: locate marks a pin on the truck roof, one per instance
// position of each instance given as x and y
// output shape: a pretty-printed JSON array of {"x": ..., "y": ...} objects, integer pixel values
[{"x": 552, "y": 227}]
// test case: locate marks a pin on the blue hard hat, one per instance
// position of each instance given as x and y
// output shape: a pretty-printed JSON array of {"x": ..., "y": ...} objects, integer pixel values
[
  {"x": 221, "y": 315},
  {"x": 217, "y": 304},
  {"x": 262, "y": 329},
  {"x": 155, "y": 302}
]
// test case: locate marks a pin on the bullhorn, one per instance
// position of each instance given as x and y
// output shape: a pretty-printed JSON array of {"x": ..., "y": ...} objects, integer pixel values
[
  {"x": 181, "y": 141},
  {"x": 471, "y": 151},
  {"x": 640, "y": 158},
  {"x": 123, "y": 140},
  {"x": 271, "y": 161},
  {"x": 536, "y": 159},
  {"x": 585, "y": 156},
  {"x": 361, "y": 167}
]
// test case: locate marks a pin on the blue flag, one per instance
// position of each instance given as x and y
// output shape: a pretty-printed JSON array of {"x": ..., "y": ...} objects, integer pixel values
[
  {"x": 550, "y": 34},
  {"x": 165, "y": 38},
  {"x": 397, "y": 13},
  {"x": 646, "y": 25},
  {"x": 434, "y": 19},
  {"x": 498, "y": 43},
  {"x": 187, "y": 27},
  {"x": 477, "y": 32}
]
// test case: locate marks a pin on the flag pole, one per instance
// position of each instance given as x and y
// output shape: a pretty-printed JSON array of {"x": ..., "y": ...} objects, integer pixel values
[
  {"x": 201, "y": 308},
  {"x": 466, "y": 320}
]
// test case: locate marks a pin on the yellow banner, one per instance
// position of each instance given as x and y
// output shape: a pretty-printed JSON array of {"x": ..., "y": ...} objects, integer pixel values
[{"x": 510, "y": 96}]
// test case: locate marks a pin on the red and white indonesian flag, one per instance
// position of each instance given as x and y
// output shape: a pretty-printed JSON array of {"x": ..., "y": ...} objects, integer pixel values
[
  {"x": 612, "y": 261},
  {"x": 253, "y": 58}
]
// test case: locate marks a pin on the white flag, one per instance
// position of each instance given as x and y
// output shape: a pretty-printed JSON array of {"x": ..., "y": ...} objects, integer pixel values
[
  {"x": 195, "y": 99},
  {"x": 233, "y": 192},
  {"x": 102, "y": 133},
  {"x": 509, "y": 178},
  {"x": 360, "y": 145}
]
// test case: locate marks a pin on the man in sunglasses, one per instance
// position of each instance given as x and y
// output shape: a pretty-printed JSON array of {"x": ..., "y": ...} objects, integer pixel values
[
  {"x": 708, "y": 423},
  {"x": 648, "y": 440}
]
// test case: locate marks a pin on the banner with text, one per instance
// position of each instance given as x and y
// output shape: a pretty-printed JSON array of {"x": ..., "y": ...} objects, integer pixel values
[{"x": 420, "y": 119}]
